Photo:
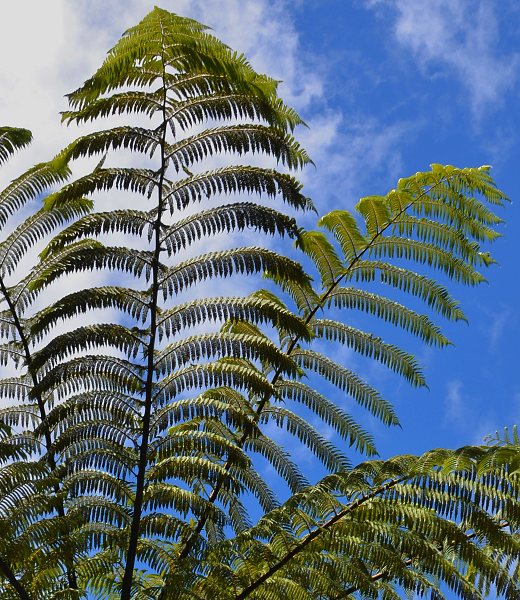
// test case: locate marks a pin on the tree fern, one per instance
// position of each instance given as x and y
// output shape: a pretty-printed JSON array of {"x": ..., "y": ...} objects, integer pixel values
[
  {"x": 39, "y": 514},
  {"x": 130, "y": 459},
  {"x": 182, "y": 77},
  {"x": 371, "y": 529}
]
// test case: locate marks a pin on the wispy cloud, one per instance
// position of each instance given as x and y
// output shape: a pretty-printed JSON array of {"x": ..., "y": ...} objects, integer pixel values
[
  {"x": 356, "y": 159},
  {"x": 460, "y": 416},
  {"x": 455, "y": 406},
  {"x": 459, "y": 37}
]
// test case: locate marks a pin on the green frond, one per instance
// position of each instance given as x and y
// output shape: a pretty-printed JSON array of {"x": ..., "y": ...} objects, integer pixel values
[
  {"x": 86, "y": 255},
  {"x": 12, "y": 352},
  {"x": 225, "y": 219},
  {"x": 129, "y": 222},
  {"x": 431, "y": 292},
  {"x": 256, "y": 486},
  {"x": 355, "y": 533},
  {"x": 315, "y": 245},
  {"x": 168, "y": 496},
  {"x": 132, "y": 101},
  {"x": 280, "y": 460},
  {"x": 131, "y": 451},
  {"x": 345, "y": 229},
  {"x": 375, "y": 211},
  {"x": 97, "y": 483},
  {"x": 98, "y": 508},
  {"x": 225, "y": 372},
  {"x": 29, "y": 185},
  {"x": 301, "y": 292},
  {"x": 85, "y": 339},
  {"x": 222, "y": 403},
  {"x": 232, "y": 105},
  {"x": 163, "y": 525},
  {"x": 120, "y": 408},
  {"x": 36, "y": 227},
  {"x": 253, "y": 309},
  {"x": 187, "y": 443},
  {"x": 11, "y": 140},
  {"x": 429, "y": 254},
  {"x": 106, "y": 430},
  {"x": 329, "y": 412},
  {"x": 26, "y": 416},
  {"x": 438, "y": 234},
  {"x": 136, "y": 139},
  {"x": 8, "y": 327},
  {"x": 388, "y": 310},
  {"x": 98, "y": 372},
  {"x": 229, "y": 344},
  {"x": 349, "y": 382},
  {"x": 141, "y": 181},
  {"x": 371, "y": 346},
  {"x": 131, "y": 302},
  {"x": 238, "y": 139},
  {"x": 190, "y": 468},
  {"x": 324, "y": 450},
  {"x": 99, "y": 454},
  {"x": 233, "y": 180},
  {"x": 223, "y": 264}
]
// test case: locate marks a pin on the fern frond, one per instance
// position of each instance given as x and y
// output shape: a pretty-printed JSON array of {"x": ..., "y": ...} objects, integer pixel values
[
  {"x": 237, "y": 345},
  {"x": 456, "y": 268},
  {"x": 329, "y": 412},
  {"x": 222, "y": 264},
  {"x": 252, "y": 309},
  {"x": 84, "y": 339},
  {"x": 11, "y": 140},
  {"x": 130, "y": 301},
  {"x": 369, "y": 345},
  {"x": 239, "y": 139},
  {"x": 345, "y": 229},
  {"x": 324, "y": 450},
  {"x": 319, "y": 249},
  {"x": 434, "y": 294},
  {"x": 30, "y": 184},
  {"x": 393, "y": 312},
  {"x": 233, "y": 180},
  {"x": 280, "y": 461},
  {"x": 225, "y": 219},
  {"x": 130, "y": 222},
  {"x": 349, "y": 382},
  {"x": 86, "y": 255},
  {"x": 225, "y": 372}
]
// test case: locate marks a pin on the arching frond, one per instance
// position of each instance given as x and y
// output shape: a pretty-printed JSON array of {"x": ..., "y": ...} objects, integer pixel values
[
  {"x": 12, "y": 139},
  {"x": 381, "y": 526},
  {"x": 349, "y": 382}
]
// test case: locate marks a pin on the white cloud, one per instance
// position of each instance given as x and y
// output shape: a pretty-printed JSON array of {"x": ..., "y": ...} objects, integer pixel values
[
  {"x": 461, "y": 36},
  {"x": 57, "y": 48},
  {"x": 356, "y": 159},
  {"x": 459, "y": 415},
  {"x": 455, "y": 405}
]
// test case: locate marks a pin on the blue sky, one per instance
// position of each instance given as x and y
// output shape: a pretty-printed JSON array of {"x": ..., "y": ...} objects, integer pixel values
[
  {"x": 387, "y": 87},
  {"x": 432, "y": 82}
]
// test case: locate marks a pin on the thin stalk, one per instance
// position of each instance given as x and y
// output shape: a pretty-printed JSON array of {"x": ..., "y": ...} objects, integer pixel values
[
  {"x": 316, "y": 533},
  {"x": 126, "y": 587},
  {"x": 49, "y": 456},
  {"x": 11, "y": 578}
]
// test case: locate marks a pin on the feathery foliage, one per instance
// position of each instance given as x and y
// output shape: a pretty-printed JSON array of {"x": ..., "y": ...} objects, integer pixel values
[{"x": 131, "y": 450}]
